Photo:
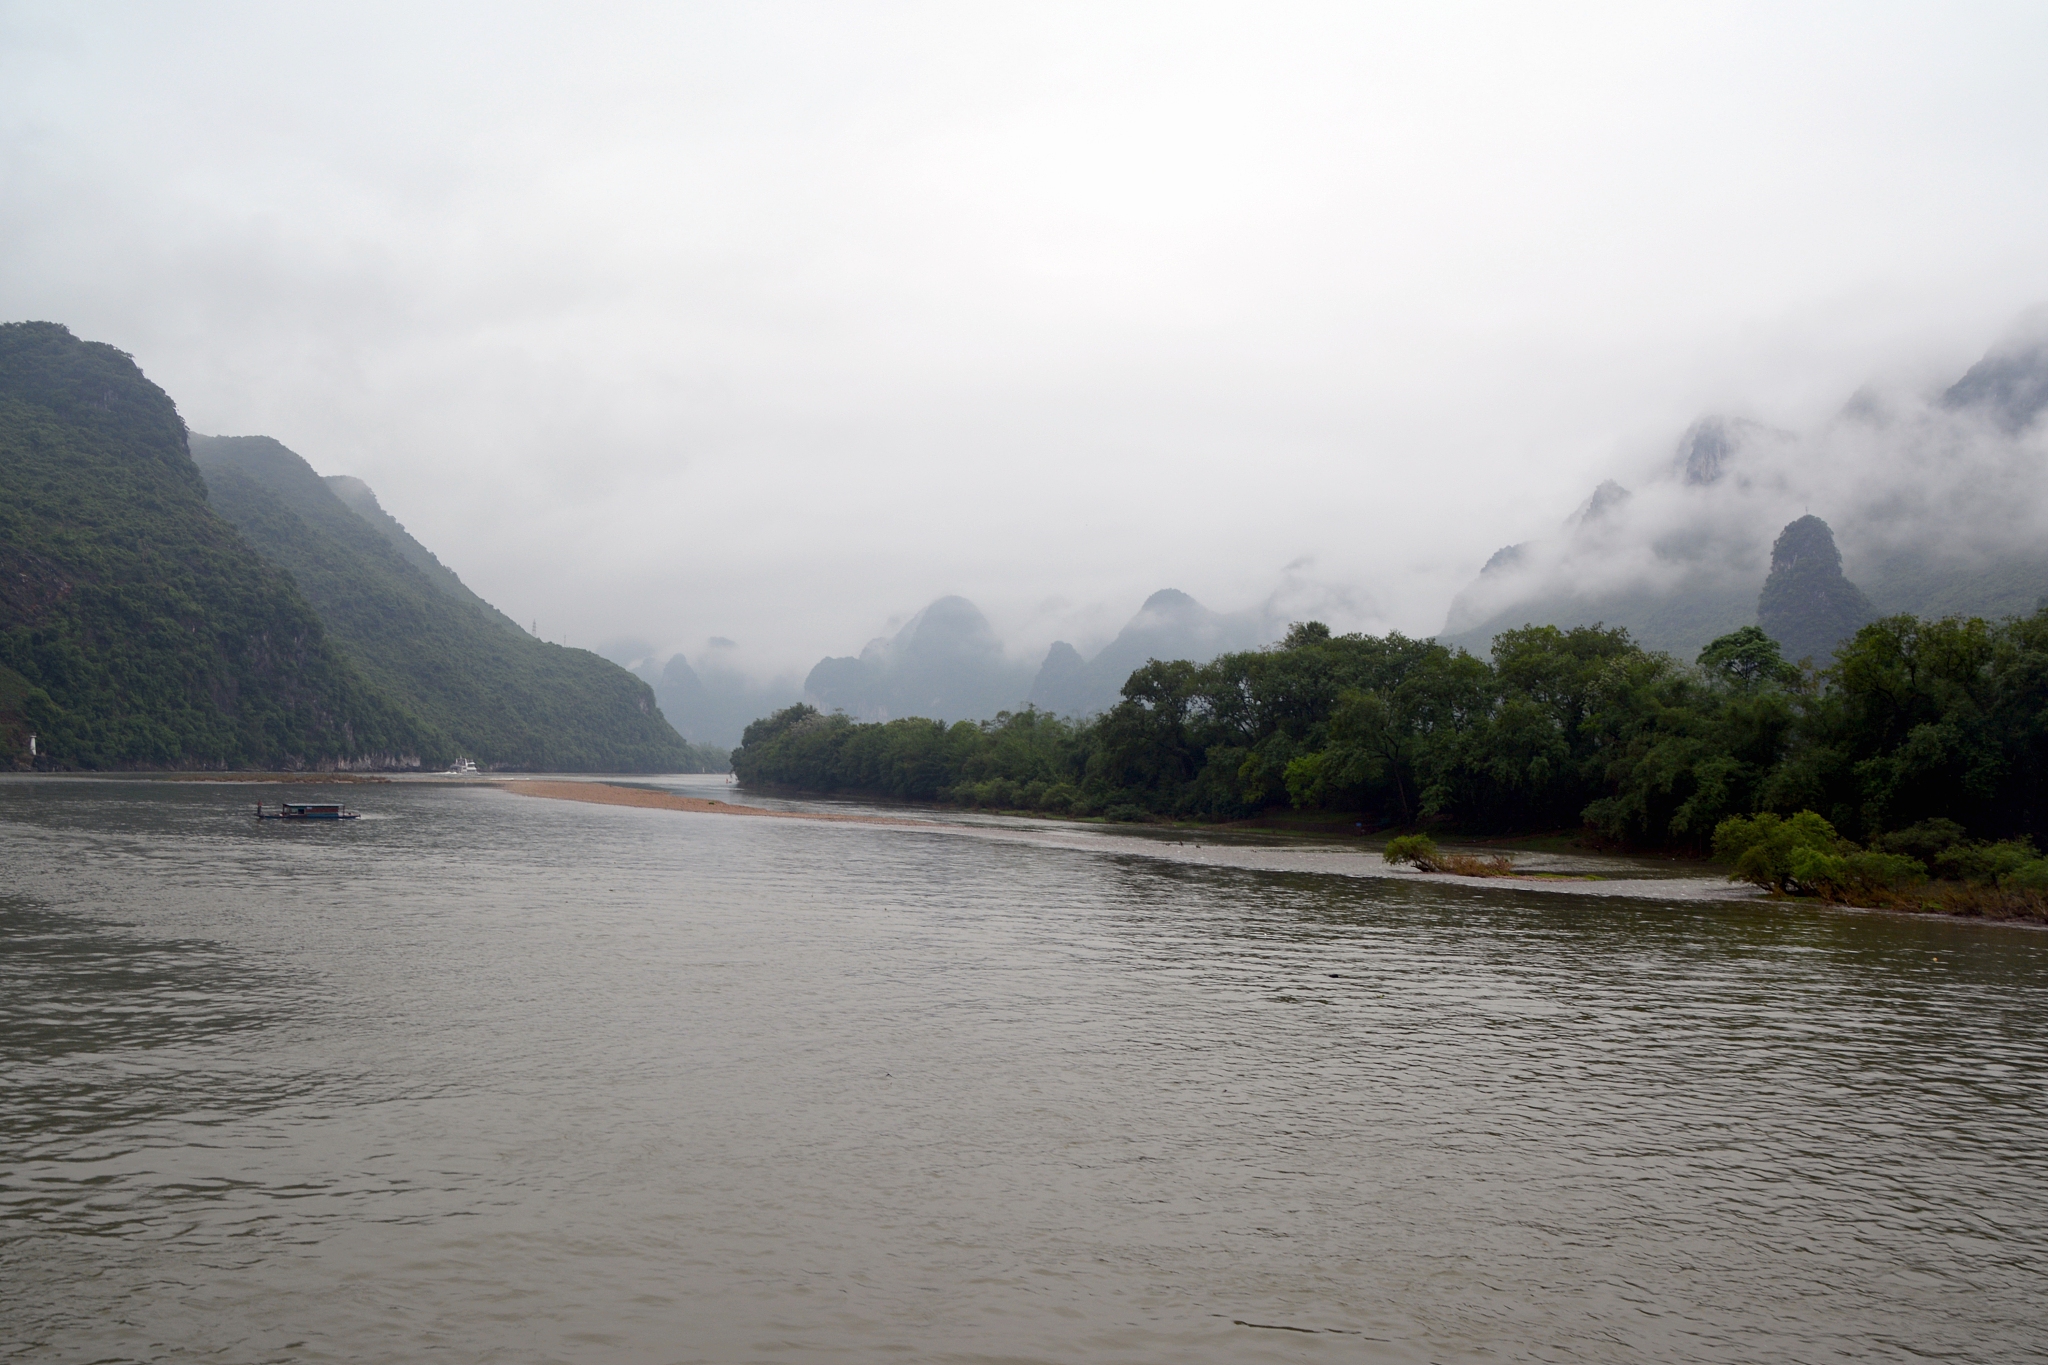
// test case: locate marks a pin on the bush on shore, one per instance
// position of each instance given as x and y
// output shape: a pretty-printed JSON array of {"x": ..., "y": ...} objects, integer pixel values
[
  {"x": 1421, "y": 852},
  {"x": 1803, "y": 855},
  {"x": 1417, "y": 850}
]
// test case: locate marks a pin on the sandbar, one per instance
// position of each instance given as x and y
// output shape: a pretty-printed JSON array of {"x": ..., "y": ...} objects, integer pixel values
[
  {"x": 605, "y": 794},
  {"x": 1343, "y": 862}
]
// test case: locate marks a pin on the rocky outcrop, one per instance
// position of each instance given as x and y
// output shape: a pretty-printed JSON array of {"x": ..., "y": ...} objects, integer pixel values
[{"x": 1807, "y": 605}]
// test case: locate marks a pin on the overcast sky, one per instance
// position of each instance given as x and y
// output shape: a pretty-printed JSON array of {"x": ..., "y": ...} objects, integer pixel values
[{"x": 776, "y": 321}]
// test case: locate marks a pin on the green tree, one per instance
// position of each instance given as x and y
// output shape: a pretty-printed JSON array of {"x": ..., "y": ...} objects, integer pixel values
[{"x": 1747, "y": 658}]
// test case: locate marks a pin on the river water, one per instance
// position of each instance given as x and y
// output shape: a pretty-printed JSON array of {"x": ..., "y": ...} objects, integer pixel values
[{"x": 490, "y": 1078}]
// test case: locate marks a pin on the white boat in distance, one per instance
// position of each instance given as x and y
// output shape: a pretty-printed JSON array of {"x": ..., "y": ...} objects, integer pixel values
[{"x": 461, "y": 767}]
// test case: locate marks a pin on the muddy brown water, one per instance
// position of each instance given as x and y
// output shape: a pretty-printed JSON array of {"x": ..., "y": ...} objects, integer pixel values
[{"x": 482, "y": 1078}]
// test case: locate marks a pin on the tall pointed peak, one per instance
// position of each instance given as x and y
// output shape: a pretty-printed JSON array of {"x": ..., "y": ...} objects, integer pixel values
[
  {"x": 1608, "y": 496},
  {"x": 1703, "y": 451},
  {"x": 1809, "y": 541},
  {"x": 1807, "y": 605}
]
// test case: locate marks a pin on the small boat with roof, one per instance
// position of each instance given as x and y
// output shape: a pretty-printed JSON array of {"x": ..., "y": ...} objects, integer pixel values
[{"x": 305, "y": 810}]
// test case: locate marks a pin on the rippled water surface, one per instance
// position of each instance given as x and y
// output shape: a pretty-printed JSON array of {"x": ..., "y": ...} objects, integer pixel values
[{"x": 489, "y": 1078}]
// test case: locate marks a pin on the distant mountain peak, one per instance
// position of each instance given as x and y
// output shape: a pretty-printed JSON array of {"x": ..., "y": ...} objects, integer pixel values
[
  {"x": 946, "y": 663},
  {"x": 2010, "y": 384},
  {"x": 1170, "y": 599},
  {"x": 950, "y": 623},
  {"x": 1063, "y": 655},
  {"x": 1807, "y": 605},
  {"x": 1806, "y": 541},
  {"x": 1170, "y": 625},
  {"x": 1936, "y": 499},
  {"x": 1710, "y": 447},
  {"x": 1703, "y": 451},
  {"x": 1608, "y": 496},
  {"x": 1507, "y": 557}
]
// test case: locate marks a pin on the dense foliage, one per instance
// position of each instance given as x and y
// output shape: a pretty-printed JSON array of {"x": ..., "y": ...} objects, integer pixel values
[
  {"x": 1932, "y": 865},
  {"x": 1915, "y": 720},
  {"x": 136, "y": 627},
  {"x": 485, "y": 688}
]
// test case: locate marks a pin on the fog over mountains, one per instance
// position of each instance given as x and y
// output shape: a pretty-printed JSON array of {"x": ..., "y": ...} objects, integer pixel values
[
  {"x": 1938, "y": 503},
  {"x": 724, "y": 322},
  {"x": 1171, "y": 625},
  {"x": 1902, "y": 502},
  {"x": 946, "y": 663}
]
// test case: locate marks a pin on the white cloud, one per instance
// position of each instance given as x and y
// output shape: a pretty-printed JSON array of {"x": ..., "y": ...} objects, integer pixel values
[{"x": 777, "y": 322}]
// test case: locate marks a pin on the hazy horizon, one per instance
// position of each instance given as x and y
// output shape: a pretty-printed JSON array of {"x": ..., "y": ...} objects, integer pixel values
[{"x": 777, "y": 324}]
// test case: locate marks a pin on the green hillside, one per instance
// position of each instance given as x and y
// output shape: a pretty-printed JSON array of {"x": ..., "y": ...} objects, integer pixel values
[
  {"x": 358, "y": 498},
  {"x": 137, "y": 629},
  {"x": 503, "y": 698},
  {"x": 1919, "y": 584}
]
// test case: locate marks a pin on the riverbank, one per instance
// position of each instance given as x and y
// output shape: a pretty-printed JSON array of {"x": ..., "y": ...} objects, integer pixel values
[
  {"x": 1554, "y": 860},
  {"x": 1543, "y": 862},
  {"x": 606, "y": 794},
  {"x": 1615, "y": 878},
  {"x": 1950, "y": 900}
]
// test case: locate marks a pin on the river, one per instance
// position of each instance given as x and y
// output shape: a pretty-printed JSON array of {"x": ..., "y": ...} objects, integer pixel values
[{"x": 488, "y": 1078}]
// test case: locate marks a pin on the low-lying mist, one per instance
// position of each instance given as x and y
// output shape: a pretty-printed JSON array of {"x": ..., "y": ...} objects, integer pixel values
[
  {"x": 1938, "y": 502},
  {"x": 1935, "y": 497}
]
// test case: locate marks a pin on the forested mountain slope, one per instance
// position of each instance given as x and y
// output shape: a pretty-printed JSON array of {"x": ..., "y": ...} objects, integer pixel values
[
  {"x": 363, "y": 502},
  {"x": 137, "y": 628},
  {"x": 502, "y": 697}
]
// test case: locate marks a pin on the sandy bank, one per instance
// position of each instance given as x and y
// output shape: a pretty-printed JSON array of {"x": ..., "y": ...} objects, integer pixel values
[
  {"x": 605, "y": 794},
  {"x": 1313, "y": 858}
]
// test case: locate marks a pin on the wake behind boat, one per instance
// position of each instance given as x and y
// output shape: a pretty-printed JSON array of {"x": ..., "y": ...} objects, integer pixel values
[{"x": 305, "y": 810}]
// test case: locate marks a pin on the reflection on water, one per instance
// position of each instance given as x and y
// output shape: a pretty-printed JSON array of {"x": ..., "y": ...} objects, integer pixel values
[{"x": 486, "y": 1077}]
